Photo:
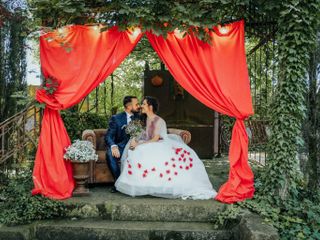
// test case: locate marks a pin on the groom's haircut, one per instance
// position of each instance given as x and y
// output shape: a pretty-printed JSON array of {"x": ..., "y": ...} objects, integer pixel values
[{"x": 127, "y": 100}]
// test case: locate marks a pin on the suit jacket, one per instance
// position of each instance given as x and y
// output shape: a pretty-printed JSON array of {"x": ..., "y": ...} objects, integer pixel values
[{"x": 116, "y": 134}]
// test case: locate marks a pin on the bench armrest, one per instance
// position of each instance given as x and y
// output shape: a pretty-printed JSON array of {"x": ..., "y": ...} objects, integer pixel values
[
  {"x": 184, "y": 134},
  {"x": 90, "y": 136}
]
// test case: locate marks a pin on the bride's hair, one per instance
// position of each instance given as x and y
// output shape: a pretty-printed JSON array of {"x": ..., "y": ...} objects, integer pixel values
[{"x": 153, "y": 102}]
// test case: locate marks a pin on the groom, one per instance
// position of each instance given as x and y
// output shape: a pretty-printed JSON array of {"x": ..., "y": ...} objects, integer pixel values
[{"x": 116, "y": 137}]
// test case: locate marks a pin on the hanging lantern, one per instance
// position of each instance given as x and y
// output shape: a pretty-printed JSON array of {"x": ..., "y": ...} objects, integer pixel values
[{"x": 157, "y": 81}]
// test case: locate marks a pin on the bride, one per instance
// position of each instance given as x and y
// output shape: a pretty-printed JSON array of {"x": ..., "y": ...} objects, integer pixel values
[{"x": 162, "y": 164}]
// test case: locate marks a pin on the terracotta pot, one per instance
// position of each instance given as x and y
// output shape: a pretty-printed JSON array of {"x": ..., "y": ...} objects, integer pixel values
[{"x": 80, "y": 175}]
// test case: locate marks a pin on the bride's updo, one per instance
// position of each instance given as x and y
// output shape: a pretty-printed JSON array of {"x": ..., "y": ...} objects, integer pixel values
[{"x": 152, "y": 101}]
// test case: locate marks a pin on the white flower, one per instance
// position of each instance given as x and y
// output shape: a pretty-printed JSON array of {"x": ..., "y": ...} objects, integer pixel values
[{"x": 81, "y": 150}]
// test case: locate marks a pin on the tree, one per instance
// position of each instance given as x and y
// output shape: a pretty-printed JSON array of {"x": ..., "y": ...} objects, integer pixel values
[
  {"x": 312, "y": 125},
  {"x": 12, "y": 63}
]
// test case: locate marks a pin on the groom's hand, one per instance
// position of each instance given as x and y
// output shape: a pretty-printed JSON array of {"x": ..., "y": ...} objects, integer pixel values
[{"x": 115, "y": 152}]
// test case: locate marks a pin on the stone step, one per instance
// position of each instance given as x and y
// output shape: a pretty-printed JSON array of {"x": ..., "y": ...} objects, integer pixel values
[
  {"x": 22, "y": 232},
  {"x": 127, "y": 230},
  {"x": 118, "y": 207},
  {"x": 157, "y": 209}
]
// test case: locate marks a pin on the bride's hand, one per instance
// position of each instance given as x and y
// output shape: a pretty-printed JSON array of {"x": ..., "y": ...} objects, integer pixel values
[{"x": 133, "y": 144}]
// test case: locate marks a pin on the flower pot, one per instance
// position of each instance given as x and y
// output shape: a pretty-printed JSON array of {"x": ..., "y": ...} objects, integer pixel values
[{"x": 80, "y": 175}]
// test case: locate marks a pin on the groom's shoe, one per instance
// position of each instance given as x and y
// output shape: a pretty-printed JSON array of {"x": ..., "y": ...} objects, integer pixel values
[{"x": 113, "y": 190}]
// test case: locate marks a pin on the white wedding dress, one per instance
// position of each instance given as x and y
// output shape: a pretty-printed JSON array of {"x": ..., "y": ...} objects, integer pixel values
[{"x": 167, "y": 168}]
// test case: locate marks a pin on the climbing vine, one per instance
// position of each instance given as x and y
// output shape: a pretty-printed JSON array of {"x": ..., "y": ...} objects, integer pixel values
[
  {"x": 297, "y": 25},
  {"x": 159, "y": 16}
]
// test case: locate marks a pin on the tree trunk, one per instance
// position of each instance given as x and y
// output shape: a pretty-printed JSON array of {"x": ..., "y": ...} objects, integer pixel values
[{"x": 313, "y": 131}]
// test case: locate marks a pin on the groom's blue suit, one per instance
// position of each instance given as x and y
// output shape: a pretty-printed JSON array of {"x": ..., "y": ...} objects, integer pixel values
[{"x": 116, "y": 135}]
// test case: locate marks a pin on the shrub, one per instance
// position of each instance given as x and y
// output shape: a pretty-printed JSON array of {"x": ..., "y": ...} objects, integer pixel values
[
  {"x": 76, "y": 122},
  {"x": 18, "y": 206}
]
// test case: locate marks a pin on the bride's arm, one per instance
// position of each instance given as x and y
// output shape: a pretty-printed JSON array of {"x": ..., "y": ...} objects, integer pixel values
[
  {"x": 134, "y": 143},
  {"x": 157, "y": 134}
]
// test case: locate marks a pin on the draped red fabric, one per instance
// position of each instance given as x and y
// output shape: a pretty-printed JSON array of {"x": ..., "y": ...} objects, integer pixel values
[
  {"x": 216, "y": 74},
  {"x": 78, "y": 58}
]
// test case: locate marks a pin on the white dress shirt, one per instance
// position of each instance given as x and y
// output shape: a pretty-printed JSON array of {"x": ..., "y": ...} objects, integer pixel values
[{"x": 129, "y": 117}]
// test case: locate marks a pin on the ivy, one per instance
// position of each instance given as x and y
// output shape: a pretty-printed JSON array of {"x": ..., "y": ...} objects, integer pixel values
[
  {"x": 297, "y": 24},
  {"x": 159, "y": 16},
  {"x": 294, "y": 218},
  {"x": 18, "y": 206}
]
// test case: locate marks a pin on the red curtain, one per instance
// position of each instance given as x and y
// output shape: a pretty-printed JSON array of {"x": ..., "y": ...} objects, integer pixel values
[
  {"x": 78, "y": 58},
  {"x": 216, "y": 74}
]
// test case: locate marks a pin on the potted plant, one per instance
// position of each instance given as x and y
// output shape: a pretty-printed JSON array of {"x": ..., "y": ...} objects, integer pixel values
[{"x": 80, "y": 152}]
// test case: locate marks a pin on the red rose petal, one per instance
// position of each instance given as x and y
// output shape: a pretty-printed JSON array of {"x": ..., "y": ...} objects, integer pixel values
[
  {"x": 153, "y": 169},
  {"x": 184, "y": 160},
  {"x": 172, "y": 159},
  {"x": 129, "y": 172},
  {"x": 146, "y": 171},
  {"x": 187, "y": 168},
  {"x": 185, "y": 151},
  {"x": 190, "y": 159},
  {"x": 129, "y": 166},
  {"x": 173, "y": 165},
  {"x": 169, "y": 179},
  {"x": 181, "y": 166},
  {"x": 191, "y": 165},
  {"x": 182, "y": 155},
  {"x": 139, "y": 165},
  {"x": 175, "y": 173},
  {"x": 144, "y": 175},
  {"x": 180, "y": 159},
  {"x": 168, "y": 171},
  {"x": 166, "y": 163},
  {"x": 161, "y": 175}
]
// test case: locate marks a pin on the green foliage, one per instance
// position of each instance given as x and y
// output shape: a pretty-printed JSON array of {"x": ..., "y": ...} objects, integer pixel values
[
  {"x": 18, "y": 206},
  {"x": 262, "y": 66},
  {"x": 12, "y": 65},
  {"x": 294, "y": 218},
  {"x": 22, "y": 98},
  {"x": 229, "y": 217},
  {"x": 58, "y": 13},
  {"x": 128, "y": 80},
  {"x": 311, "y": 126},
  {"x": 159, "y": 16},
  {"x": 50, "y": 85},
  {"x": 76, "y": 122},
  {"x": 297, "y": 25}
]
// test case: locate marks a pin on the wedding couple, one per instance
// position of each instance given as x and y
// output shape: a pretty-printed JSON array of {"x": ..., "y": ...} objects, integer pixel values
[{"x": 159, "y": 164}]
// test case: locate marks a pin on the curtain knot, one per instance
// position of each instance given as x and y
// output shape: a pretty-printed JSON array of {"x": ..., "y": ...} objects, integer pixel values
[{"x": 49, "y": 99}]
